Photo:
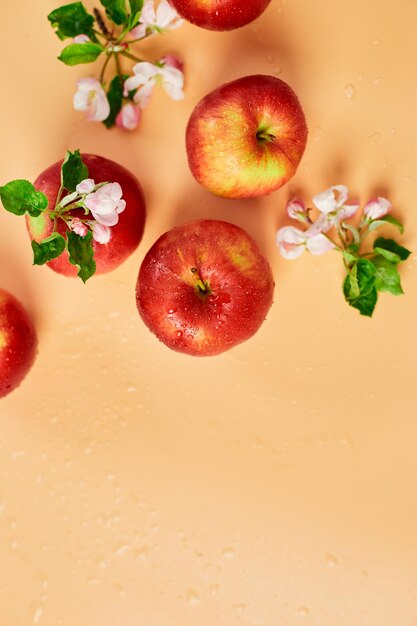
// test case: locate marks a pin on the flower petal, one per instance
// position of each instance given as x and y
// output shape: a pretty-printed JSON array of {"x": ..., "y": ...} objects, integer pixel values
[
  {"x": 347, "y": 210},
  {"x": 121, "y": 205},
  {"x": 291, "y": 242},
  {"x": 86, "y": 186},
  {"x": 68, "y": 199},
  {"x": 145, "y": 70},
  {"x": 148, "y": 15},
  {"x": 377, "y": 208},
  {"x": 143, "y": 95},
  {"x": 101, "y": 233},
  {"x": 321, "y": 225},
  {"x": 81, "y": 39},
  {"x": 99, "y": 109},
  {"x": 138, "y": 32},
  {"x": 318, "y": 244},
  {"x": 165, "y": 14},
  {"x": 109, "y": 219},
  {"x": 173, "y": 82},
  {"x": 326, "y": 201}
]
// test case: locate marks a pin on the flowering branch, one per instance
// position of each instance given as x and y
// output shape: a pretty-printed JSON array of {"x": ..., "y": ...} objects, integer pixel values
[
  {"x": 367, "y": 273},
  {"x": 102, "y": 203},
  {"x": 110, "y": 101}
]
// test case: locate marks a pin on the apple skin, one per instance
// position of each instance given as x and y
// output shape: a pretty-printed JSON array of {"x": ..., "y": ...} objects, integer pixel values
[
  {"x": 246, "y": 138},
  {"x": 18, "y": 343},
  {"x": 127, "y": 233},
  {"x": 238, "y": 286},
  {"x": 220, "y": 14}
]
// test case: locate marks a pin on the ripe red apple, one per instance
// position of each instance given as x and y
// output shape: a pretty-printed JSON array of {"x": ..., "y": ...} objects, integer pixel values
[
  {"x": 127, "y": 233},
  {"x": 246, "y": 138},
  {"x": 18, "y": 343},
  {"x": 204, "y": 287},
  {"x": 220, "y": 14}
]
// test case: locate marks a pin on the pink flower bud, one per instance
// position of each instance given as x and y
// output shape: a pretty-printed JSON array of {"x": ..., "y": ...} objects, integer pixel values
[
  {"x": 78, "y": 227},
  {"x": 169, "y": 60},
  {"x": 128, "y": 117},
  {"x": 377, "y": 208},
  {"x": 296, "y": 210}
]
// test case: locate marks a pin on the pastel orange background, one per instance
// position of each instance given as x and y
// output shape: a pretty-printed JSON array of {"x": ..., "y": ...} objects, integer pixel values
[{"x": 275, "y": 484}]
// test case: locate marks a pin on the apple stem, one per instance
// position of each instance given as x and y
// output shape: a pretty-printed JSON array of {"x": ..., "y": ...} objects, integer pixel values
[{"x": 264, "y": 136}]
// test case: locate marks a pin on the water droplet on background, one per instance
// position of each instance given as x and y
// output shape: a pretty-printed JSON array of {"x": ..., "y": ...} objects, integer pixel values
[
  {"x": 331, "y": 560},
  {"x": 350, "y": 91},
  {"x": 192, "y": 597}
]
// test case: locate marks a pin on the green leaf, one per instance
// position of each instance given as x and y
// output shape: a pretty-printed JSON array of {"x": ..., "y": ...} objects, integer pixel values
[
  {"x": 386, "y": 246},
  {"x": 73, "y": 170},
  {"x": 115, "y": 10},
  {"x": 135, "y": 12},
  {"x": 135, "y": 6},
  {"x": 387, "y": 276},
  {"x": 77, "y": 53},
  {"x": 115, "y": 98},
  {"x": 365, "y": 303},
  {"x": 81, "y": 254},
  {"x": 359, "y": 287},
  {"x": 20, "y": 196},
  {"x": 48, "y": 249},
  {"x": 387, "y": 219},
  {"x": 72, "y": 20}
]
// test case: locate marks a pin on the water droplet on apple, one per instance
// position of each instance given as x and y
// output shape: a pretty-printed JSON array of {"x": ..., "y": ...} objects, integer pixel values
[
  {"x": 350, "y": 91},
  {"x": 171, "y": 311},
  {"x": 178, "y": 334}
]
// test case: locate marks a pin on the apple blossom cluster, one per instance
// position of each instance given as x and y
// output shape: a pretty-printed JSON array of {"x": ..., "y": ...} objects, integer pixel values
[
  {"x": 118, "y": 101},
  {"x": 85, "y": 214},
  {"x": 367, "y": 273}
]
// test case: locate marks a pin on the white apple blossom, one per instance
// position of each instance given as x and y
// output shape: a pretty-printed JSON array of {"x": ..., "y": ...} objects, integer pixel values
[
  {"x": 292, "y": 242},
  {"x": 332, "y": 204},
  {"x": 81, "y": 39},
  {"x": 101, "y": 233},
  {"x": 128, "y": 116},
  {"x": 162, "y": 19},
  {"x": 106, "y": 203},
  {"x": 146, "y": 75},
  {"x": 377, "y": 208},
  {"x": 91, "y": 97},
  {"x": 85, "y": 186},
  {"x": 78, "y": 227}
]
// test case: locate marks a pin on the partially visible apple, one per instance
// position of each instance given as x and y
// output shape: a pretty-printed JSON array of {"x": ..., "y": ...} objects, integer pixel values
[
  {"x": 127, "y": 233},
  {"x": 204, "y": 287},
  {"x": 246, "y": 138},
  {"x": 220, "y": 14},
  {"x": 18, "y": 343}
]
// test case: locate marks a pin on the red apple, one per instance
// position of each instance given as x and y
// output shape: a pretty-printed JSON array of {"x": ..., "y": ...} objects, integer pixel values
[
  {"x": 127, "y": 233},
  {"x": 220, "y": 14},
  {"x": 18, "y": 343},
  {"x": 204, "y": 287},
  {"x": 246, "y": 138}
]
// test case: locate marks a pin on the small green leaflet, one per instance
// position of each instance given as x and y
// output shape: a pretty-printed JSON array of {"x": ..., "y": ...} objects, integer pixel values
[
  {"x": 72, "y": 20},
  {"x": 115, "y": 98},
  {"x": 391, "y": 250},
  {"x": 359, "y": 287},
  {"x": 77, "y": 53},
  {"x": 81, "y": 254},
  {"x": 48, "y": 249},
  {"x": 73, "y": 170},
  {"x": 135, "y": 11},
  {"x": 20, "y": 196},
  {"x": 387, "y": 219},
  {"x": 115, "y": 11},
  {"x": 387, "y": 276}
]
